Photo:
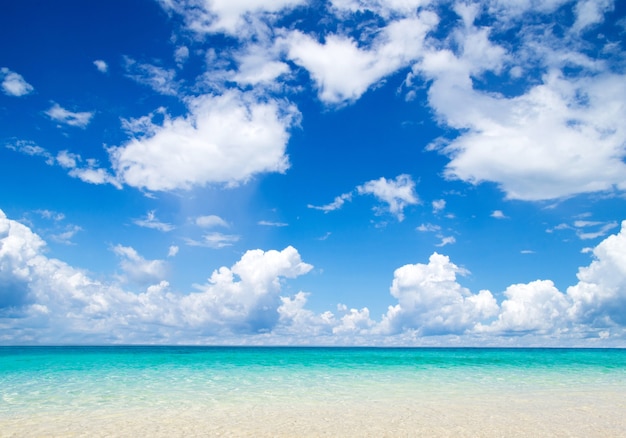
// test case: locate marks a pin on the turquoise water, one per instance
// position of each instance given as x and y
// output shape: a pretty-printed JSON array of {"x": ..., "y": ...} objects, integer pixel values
[{"x": 52, "y": 379}]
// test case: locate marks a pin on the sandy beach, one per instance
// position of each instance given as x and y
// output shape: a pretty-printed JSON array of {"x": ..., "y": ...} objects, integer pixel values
[{"x": 545, "y": 414}]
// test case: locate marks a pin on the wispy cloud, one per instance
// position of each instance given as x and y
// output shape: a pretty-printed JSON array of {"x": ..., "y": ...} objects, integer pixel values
[
  {"x": 215, "y": 240},
  {"x": 151, "y": 221},
  {"x": 273, "y": 224},
  {"x": 447, "y": 240},
  {"x": 62, "y": 115},
  {"x": 160, "y": 79},
  {"x": 210, "y": 221},
  {"x": 586, "y": 229},
  {"x": 335, "y": 205}
]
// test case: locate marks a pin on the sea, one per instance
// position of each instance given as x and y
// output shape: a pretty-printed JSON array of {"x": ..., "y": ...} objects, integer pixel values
[{"x": 311, "y": 391}]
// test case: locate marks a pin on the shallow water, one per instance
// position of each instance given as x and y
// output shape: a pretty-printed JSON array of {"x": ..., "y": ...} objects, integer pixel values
[{"x": 245, "y": 391}]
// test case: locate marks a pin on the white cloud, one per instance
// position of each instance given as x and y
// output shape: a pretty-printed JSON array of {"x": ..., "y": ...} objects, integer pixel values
[
  {"x": 50, "y": 301},
  {"x": 438, "y": 205},
  {"x": 181, "y": 54},
  {"x": 590, "y": 12},
  {"x": 397, "y": 194},
  {"x": 498, "y": 214},
  {"x": 224, "y": 139},
  {"x": 384, "y": 8},
  {"x": 600, "y": 295},
  {"x": 234, "y": 17},
  {"x": 137, "y": 269},
  {"x": 354, "y": 321},
  {"x": 543, "y": 145},
  {"x": 558, "y": 138},
  {"x": 446, "y": 240},
  {"x": 102, "y": 66},
  {"x": 13, "y": 84},
  {"x": 65, "y": 236},
  {"x": 250, "y": 304},
  {"x": 586, "y": 229},
  {"x": 343, "y": 71},
  {"x": 534, "y": 307},
  {"x": 215, "y": 240},
  {"x": 432, "y": 302},
  {"x": 151, "y": 221},
  {"x": 31, "y": 149},
  {"x": 335, "y": 205},
  {"x": 602, "y": 228},
  {"x": 210, "y": 221},
  {"x": 429, "y": 228},
  {"x": 91, "y": 173},
  {"x": 172, "y": 251},
  {"x": 259, "y": 65},
  {"x": 272, "y": 224},
  {"x": 61, "y": 115},
  {"x": 158, "y": 78}
]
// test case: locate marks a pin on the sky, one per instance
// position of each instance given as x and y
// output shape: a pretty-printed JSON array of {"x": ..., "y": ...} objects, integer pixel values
[{"x": 308, "y": 172}]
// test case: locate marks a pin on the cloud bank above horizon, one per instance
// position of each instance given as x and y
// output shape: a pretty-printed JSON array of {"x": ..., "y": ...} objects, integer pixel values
[{"x": 48, "y": 301}]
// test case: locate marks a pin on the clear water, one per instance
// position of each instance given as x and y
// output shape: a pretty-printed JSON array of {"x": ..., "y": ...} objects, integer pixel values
[
  {"x": 35, "y": 378},
  {"x": 81, "y": 381}
]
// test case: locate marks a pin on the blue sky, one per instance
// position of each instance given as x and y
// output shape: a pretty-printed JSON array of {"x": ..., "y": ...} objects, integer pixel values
[{"x": 408, "y": 172}]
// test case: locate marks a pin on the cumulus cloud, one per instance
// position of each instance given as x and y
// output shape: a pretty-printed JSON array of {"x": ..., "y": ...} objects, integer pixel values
[
  {"x": 13, "y": 84},
  {"x": 498, "y": 214},
  {"x": 137, "y": 269},
  {"x": 59, "y": 114},
  {"x": 343, "y": 71},
  {"x": 225, "y": 138},
  {"x": 557, "y": 138},
  {"x": 599, "y": 297},
  {"x": 537, "y": 307},
  {"x": 431, "y": 301},
  {"x": 397, "y": 194},
  {"x": 247, "y": 293},
  {"x": 49, "y": 301}
]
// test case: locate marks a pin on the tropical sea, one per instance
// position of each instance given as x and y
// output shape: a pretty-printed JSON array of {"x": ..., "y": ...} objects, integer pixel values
[{"x": 295, "y": 392}]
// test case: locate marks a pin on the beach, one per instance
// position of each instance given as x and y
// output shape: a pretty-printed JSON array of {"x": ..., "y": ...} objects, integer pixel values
[{"x": 308, "y": 392}]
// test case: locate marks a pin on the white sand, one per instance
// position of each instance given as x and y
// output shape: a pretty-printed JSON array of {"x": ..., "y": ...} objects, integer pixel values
[{"x": 530, "y": 414}]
